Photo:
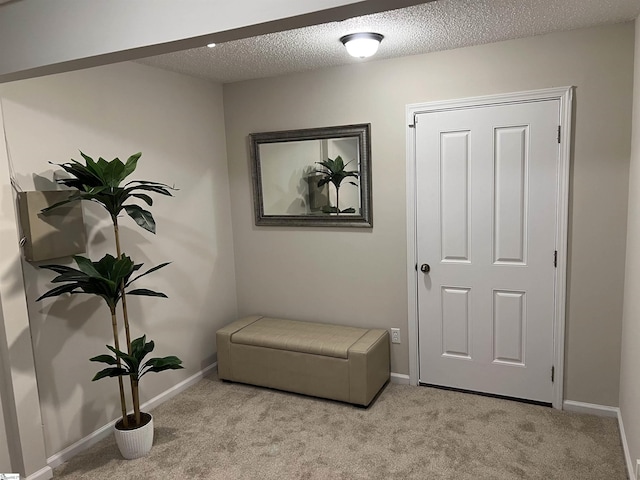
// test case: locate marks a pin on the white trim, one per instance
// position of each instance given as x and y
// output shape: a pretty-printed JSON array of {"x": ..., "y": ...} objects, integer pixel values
[
  {"x": 71, "y": 451},
  {"x": 605, "y": 411},
  {"x": 487, "y": 100},
  {"x": 178, "y": 388},
  {"x": 565, "y": 97},
  {"x": 412, "y": 256},
  {"x": 562, "y": 235},
  {"x": 590, "y": 408},
  {"x": 45, "y": 473},
  {"x": 104, "y": 431},
  {"x": 400, "y": 379},
  {"x": 625, "y": 448}
]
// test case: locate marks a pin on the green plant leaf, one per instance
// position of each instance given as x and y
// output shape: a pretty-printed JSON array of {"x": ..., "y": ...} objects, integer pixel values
[
  {"x": 73, "y": 197},
  {"x": 151, "y": 270},
  {"x": 335, "y": 172},
  {"x": 113, "y": 172},
  {"x": 131, "y": 362},
  {"x": 108, "y": 359},
  {"x": 157, "y": 365},
  {"x": 116, "y": 269},
  {"x": 102, "y": 278},
  {"x": 131, "y": 164},
  {"x": 91, "y": 167},
  {"x": 161, "y": 189},
  {"x": 86, "y": 266},
  {"x": 81, "y": 174},
  {"x": 142, "y": 217},
  {"x": 146, "y": 198},
  {"x": 146, "y": 292},
  {"x": 54, "y": 292},
  {"x": 138, "y": 344},
  {"x": 99, "y": 182},
  {"x": 72, "y": 276},
  {"x": 140, "y": 348},
  {"x": 110, "y": 372}
]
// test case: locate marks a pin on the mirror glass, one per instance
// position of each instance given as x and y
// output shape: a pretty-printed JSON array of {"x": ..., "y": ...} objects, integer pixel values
[{"x": 312, "y": 177}]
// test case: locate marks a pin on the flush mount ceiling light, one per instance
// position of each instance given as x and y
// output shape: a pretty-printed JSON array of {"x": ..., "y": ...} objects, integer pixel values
[{"x": 362, "y": 45}]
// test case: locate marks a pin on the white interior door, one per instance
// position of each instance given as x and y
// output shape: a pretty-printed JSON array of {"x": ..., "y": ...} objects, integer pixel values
[{"x": 487, "y": 187}]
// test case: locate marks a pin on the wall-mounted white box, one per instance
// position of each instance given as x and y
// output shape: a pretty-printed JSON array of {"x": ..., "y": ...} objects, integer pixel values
[{"x": 55, "y": 234}]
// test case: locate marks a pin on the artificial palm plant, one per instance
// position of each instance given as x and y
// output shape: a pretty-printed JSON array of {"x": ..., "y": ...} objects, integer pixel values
[
  {"x": 334, "y": 171},
  {"x": 102, "y": 182}
]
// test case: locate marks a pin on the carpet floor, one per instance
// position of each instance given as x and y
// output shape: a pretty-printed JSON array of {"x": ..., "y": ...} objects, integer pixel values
[{"x": 216, "y": 430}]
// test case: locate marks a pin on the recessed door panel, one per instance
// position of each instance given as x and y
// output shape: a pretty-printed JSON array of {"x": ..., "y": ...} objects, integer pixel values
[
  {"x": 510, "y": 194},
  {"x": 509, "y": 322},
  {"x": 455, "y": 322},
  {"x": 454, "y": 192}
]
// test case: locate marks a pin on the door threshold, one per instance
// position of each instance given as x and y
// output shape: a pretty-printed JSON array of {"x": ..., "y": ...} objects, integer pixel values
[{"x": 485, "y": 394}]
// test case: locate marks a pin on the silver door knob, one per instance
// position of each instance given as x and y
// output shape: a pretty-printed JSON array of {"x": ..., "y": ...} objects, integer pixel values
[{"x": 425, "y": 268}]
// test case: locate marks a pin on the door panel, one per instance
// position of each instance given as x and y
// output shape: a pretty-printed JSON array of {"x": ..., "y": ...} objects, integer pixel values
[
  {"x": 487, "y": 180},
  {"x": 510, "y": 193},
  {"x": 455, "y": 322},
  {"x": 455, "y": 197},
  {"x": 509, "y": 312}
]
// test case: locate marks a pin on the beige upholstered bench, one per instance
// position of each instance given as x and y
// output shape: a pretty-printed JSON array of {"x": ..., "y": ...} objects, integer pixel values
[{"x": 330, "y": 361}]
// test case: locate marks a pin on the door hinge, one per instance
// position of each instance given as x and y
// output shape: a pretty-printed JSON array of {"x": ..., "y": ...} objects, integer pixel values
[
  {"x": 555, "y": 258},
  {"x": 553, "y": 373},
  {"x": 559, "y": 126}
]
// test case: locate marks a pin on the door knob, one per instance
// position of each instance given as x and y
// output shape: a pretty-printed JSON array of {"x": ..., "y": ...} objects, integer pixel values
[{"x": 425, "y": 268}]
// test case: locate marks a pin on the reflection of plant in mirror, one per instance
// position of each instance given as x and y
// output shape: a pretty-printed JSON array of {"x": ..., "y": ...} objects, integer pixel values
[{"x": 335, "y": 172}]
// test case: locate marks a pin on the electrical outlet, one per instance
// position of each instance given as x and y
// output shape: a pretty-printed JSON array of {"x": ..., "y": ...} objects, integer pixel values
[{"x": 395, "y": 335}]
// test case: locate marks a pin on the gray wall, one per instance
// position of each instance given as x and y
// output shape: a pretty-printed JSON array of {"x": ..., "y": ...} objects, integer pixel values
[
  {"x": 358, "y": 276},
  {"x": 5, "y": 459},
  {"x": 629, "y": 384},
  {"x": 177, "y": 123}
]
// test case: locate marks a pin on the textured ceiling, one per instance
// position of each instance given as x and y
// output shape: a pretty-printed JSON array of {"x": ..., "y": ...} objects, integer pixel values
[{"x": 433, "y": 26}]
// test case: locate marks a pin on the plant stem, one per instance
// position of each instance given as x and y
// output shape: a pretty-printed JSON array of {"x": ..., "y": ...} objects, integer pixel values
[
  {"x": 136, "y": 402},
  {"x": 125, "y": 315},
  {"x": 123, "y": 403},
  {"x": 337, "y": 200},
  {"x": 116, "y": 231}
]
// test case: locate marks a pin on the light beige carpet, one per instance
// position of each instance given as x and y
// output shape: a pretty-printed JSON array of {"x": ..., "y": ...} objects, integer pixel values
[{"x": 227, "y": 431}]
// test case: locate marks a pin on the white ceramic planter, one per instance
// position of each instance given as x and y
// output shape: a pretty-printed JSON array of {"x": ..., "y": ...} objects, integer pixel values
[{"x": 135, "y": 443}]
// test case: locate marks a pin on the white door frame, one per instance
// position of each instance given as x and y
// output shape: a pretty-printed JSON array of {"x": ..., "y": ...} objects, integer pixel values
[{"x": 565, "y": 96}]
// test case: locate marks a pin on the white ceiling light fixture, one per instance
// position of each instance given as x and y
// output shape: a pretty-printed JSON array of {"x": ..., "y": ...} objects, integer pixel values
[{"x": 362, "y": 45}]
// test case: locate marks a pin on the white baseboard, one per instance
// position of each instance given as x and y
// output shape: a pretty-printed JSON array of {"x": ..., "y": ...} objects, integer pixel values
[
  {"x": 605, "y": 411},
  {"x": 176, "y": 389},
  {"x": 43, "y": 474},
  {"x": 104, "y": 431},
  {"x": 399, "y": 378},
  {"x": 625, "y": 447},
  {"x": 591, "y": 408}
]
